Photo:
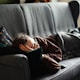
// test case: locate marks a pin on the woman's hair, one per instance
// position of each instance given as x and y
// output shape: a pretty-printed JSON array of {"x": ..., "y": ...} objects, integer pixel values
[{"x": 21, "y": 38}]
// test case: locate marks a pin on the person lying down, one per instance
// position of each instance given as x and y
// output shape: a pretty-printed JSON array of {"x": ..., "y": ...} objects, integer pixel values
[{"x": 47, "y": 60}]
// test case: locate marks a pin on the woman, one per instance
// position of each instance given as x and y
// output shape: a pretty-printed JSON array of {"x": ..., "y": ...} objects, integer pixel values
[{"x": 47, "y": 60}]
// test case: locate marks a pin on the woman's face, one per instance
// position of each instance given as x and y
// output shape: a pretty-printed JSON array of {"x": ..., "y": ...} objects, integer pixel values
[{"x": 32, "y": 43}]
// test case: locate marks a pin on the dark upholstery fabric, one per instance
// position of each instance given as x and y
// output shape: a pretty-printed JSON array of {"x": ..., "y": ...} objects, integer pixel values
[
  {"x": 14, "y": 67},
  {"x": 69, "y": 42},
  {"x": 70, "y": 72},
  {"x": 34, "y": 59},
  {"x": 74, "y": 7}
]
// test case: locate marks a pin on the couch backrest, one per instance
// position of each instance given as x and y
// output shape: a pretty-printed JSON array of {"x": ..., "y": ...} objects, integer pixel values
[
  {"x": 75, "y": 9},
  {"x": 63, "y": 14},
  {"x": 39, "y": 19},
  {"x": 11, "y": 17},
  {"x": 49, "y": 18}
]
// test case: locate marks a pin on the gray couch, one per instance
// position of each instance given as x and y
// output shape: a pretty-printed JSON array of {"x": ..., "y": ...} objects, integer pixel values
[{"x": 41, "y": 19}]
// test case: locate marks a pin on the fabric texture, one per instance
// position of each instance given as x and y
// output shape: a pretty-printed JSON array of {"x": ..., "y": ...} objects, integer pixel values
[
  {"x": 52, "y": 53},
  {"x": 39, "y": 19},
  {"x": 5, "y": 39},
  {"x": 74, "y": 7},
  {"x": 12, "y": 18},
  {"x": 62, "y": 16},
  {"x": 34, "y": 58},
  {"x": 69, "y": 42}
]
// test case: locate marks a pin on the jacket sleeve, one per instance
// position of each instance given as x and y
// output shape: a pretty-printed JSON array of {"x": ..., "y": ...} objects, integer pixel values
[{"x": 50, "y": 47}]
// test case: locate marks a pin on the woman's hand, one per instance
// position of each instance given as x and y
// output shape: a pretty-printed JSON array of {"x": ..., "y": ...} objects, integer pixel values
[{"x": 26, "y": 48}]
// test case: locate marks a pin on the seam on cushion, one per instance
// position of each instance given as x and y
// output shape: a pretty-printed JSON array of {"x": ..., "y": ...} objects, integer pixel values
[
  {"x": 23, "y": 67},
  {"x": 72, "y": 67}
]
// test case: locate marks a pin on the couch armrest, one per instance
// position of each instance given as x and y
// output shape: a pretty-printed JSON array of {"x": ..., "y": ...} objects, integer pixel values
[
  {"x": 74, "y": 7},
  {"x": 14, "y": 67}
]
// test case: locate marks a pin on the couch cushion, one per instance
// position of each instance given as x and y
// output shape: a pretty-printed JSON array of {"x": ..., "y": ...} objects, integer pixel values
[
  {"x": 70, "y": 72},
  {"x": 39, "y": 19},
  {"x": 14, "y": 67},
  {"x": 11, "y": 16},
  {"x": 62, "y": 16}
]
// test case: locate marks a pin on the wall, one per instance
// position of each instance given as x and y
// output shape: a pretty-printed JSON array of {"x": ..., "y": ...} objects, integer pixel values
[{"x": 8, "y": 1}]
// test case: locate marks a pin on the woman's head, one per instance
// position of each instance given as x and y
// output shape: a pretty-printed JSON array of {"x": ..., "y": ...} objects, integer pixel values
[
  {"x": 20, "y": 39},
  {"x": 25, "y": 42}
]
